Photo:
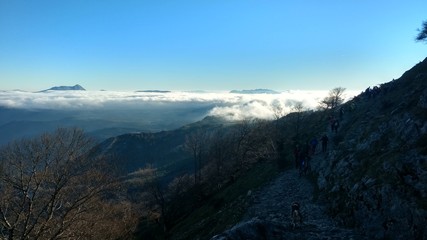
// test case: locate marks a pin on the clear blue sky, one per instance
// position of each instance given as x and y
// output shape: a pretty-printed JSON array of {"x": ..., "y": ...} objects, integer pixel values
[{"x": 209, "y": 45}]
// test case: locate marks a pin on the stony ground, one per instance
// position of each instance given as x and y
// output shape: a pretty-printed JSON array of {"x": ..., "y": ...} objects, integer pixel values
[
  {"x": 268, "y": 216},
  {"x": 272, "y": 204}
]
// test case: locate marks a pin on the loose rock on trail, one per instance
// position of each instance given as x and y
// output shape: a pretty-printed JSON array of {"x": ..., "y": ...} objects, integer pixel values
[{"x": 268, "y": 216}]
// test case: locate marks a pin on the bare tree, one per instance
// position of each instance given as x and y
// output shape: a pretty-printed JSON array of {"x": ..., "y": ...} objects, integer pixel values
[
  {"x": 157, "y": 197},
  {"x": 50, "y": 187},
  {"x": 180, "y": 184},
  {"x": 334, "y": 99},
  {"x": 277, "y": 110},
  {"x": 241, "y": 136},
  {"x": 298, "y": 108},
  {"x": 195, "y": 143},
  {"x": 219, "y": 150},
  {"x": 260, "y": 144},
  {"x": 422, "y": 35}
]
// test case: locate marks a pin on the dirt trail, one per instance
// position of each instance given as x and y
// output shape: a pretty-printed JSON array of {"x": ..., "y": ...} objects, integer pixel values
[{"x": 273, "y": 203}]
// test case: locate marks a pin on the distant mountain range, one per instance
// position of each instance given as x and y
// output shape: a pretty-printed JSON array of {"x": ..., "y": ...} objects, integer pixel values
[
  {"x": 76, "y": 87},
  {"x": 255, "y": 91},
  {"x": 154, "y": 91}
]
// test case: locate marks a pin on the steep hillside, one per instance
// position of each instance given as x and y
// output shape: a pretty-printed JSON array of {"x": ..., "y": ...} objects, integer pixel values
[
  {"x": 133, "y": 151},
  {"x": 372, "y": 178},
  {"x": 375, "y": 175}
]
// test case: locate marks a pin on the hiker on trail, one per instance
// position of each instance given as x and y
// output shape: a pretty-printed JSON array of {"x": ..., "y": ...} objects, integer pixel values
[
  {"x": 313, "y": 144},
  {"x": 367, "y": 92},
  {"x": 375, "y": 91},
  {"x": 304, "y": 158},
  {"x": 352, "y": 106},
  {"x": 296, "y": 215},
  {"x": 331, "y": 122},
  {"x": 307, "y": 149},
  {"x": 301, "y": 160},
  {"x": 304, "y": 165},
  {"x": 324, "y": 141},
  {"x": 297, "y": 151},
  {"x": 335, "y": 126}
]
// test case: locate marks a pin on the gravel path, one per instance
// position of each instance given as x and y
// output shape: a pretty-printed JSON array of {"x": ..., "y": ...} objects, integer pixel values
[{"x": 273, "y": 204}]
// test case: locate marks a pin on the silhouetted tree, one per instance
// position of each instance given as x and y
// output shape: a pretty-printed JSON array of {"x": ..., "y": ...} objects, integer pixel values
[
  {"x": 241, "y": 134},
  {"x": 278, "y": 110},
  {"x": 195, "y": 143},
  {"x": 158, "y": 197},
  {"x": 298, "y": 108},
  {"x": 422, "y": 35},
  {"x": 219, "y": 150},
  {"x": 334, "y": 99}
]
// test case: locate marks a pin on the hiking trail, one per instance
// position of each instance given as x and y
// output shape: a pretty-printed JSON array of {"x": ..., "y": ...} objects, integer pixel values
[{"x": 273, "y": 202}]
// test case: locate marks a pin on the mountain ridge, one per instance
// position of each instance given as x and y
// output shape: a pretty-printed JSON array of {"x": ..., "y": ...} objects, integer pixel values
[
  {"x": 255, "y": 91},
  {"x": 76, "y": 87}
]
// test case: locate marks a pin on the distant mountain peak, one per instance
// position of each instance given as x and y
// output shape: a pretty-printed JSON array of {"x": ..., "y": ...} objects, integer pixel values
[
  {"x": 154, "y": 91},
  {"x": 76, "y": 87},
  {"x": 255, "y": 91}
]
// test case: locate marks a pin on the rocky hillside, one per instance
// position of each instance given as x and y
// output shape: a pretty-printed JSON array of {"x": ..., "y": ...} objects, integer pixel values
[
  {"x": 375, "y": 175},
  {"x": 371, "y": 183},
  {"x": 269, "y": 213}
]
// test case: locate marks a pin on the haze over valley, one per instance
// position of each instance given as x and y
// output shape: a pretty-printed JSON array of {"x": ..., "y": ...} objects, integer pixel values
[{"x": 105, "y": 114}]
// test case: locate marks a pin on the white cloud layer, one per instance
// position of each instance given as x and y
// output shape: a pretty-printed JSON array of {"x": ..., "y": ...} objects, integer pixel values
[{"x": 229, "y": 105}]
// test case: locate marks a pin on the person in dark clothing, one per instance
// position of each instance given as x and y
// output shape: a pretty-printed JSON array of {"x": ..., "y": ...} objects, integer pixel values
[
  {"x": 302, "y": 162},
  {"x": 324, "y": 141},
  {"x": 331, "y": 122},
  {"x": 307, "y": 148},
  {"x": 297, "y": 151},
  {"x": 304, "y": 165},
  {"x": 296, "y": 216},
  {"x": 335, "y": 126},
  {"x": 313, "y": 144}
]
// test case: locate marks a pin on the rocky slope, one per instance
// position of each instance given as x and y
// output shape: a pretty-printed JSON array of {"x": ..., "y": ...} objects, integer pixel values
[
  {"x": 375, "y": 176},
  {"x": 269, "y": 214}
]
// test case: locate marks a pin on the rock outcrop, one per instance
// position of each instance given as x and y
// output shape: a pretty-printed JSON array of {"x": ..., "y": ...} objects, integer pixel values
[{"x": 375, "y": 176}]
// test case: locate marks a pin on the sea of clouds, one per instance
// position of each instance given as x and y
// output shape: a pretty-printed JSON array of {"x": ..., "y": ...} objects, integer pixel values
[{"x": 229, "y": 105}]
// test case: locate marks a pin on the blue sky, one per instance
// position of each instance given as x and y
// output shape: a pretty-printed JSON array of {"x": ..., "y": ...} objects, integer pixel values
[{"x": 207, "y": 45}]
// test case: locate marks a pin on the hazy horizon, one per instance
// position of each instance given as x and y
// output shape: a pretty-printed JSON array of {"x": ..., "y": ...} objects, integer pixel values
[
  {"x": 111, "y": 113},
  {"x": 223, "y": 103}
]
